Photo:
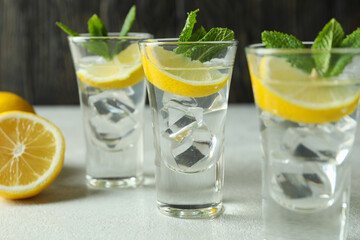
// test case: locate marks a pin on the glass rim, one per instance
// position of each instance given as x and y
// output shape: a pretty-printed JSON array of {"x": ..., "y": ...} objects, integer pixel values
[
  {"x": 174, "y": 41},
  {"x": 112, "y": 35},
  {"x": 259, "y": 48}
]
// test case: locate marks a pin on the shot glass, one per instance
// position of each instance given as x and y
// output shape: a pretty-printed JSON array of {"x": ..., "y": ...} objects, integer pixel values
[
  {"x": 112, "y": 91},
  {"x": 188, "y": 99},
  {"x": 307, "y": 129}
]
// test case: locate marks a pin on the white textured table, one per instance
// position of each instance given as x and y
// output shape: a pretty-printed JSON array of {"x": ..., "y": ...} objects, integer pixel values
[{"x": 70, "y": 210}]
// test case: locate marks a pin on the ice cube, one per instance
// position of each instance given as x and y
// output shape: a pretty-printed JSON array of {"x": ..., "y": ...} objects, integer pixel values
[
  {"x": 129, "y": 91},
  {"x": 351, "y": 70},
  {"x": 213, "y": 102},
  {"x": 269, "y": 120},
  {"x": 169, "y": 98},
  {"x": 322, "y": 142},
  {"x": 112, "y": 120},
  {"x": 181, "y": 123},
  {"x": 294, "y": 185},
  {"x": 91, "y": 60},
  {"x": 109, "y": 102},
  {"x": 112, "y": 135},
  {"x": 174, "y": 115},
  {"x": 197, "y": 147}
]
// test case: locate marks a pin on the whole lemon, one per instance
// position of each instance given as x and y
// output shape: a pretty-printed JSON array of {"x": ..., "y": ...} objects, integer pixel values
[{"x": 13, "y": 102}]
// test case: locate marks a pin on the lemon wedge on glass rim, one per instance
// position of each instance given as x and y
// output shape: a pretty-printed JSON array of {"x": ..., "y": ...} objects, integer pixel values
[
  {"x": 179, "y": 75},
  {"x": 290, "y": 93},
  {"x": 122, "y": 71}
]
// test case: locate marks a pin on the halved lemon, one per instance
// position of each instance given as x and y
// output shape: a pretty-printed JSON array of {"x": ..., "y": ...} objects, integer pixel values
[
  {"x": 292, "y": 94},
  {"x": 31, "y": 154},
  {"x": 123, "y": 71},
  {"x": 179, "y": 75}
]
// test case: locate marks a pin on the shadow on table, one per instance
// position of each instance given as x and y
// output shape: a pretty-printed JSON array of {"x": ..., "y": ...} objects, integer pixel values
[{"x": 69, "y": 185}]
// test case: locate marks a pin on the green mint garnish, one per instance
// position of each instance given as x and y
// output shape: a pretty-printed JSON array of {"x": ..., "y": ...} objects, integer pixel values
[
  {"x": 186, "y": 33},
  {"x": 198, "y": 34},
  {"x": 129, "y": 20},
  {"x": 97, "y": 28},
  {"x": 330, "y": 37},
  {"x": 351, "y": 41},
  {"x": 67, "y": 29},
  {"x": 205, "y": 53},
  {"x": 325, "y": 64},
  {"x": 202, "y": 52},
  {"x": 273, "y": 39},
  {"x": 98, "y": 46}
]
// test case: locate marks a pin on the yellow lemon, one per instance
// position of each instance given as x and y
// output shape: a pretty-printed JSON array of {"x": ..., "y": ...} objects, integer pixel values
[
  {"x": 31, "y": 154},
  {"x": 123, "y": 71},
  {"x": 290, "y": 93},
  {"x": 180, "y": 75},
  {"x": 10, "y": 101}
]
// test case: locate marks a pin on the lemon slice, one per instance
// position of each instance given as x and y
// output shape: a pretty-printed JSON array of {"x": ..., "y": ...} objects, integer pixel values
[
  {"x": 31, "y": 154},
  {"x": 180, "y": 75},
  {"x": 290, "y": 93},
  {"x": 123, "y": 71}
]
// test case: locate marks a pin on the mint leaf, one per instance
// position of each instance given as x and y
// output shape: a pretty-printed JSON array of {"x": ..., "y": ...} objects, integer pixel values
[
  {"x": 339, "y": 62},
  {"x": 67, "y": 29},
  {"x": 331, "y": 36},
  {"x": 273, "y": 39},
  {"x": 219, "y": 34},
  {"x": 202, "y": 52},
  {"x": 205, "y": 52},
  {"x": 352, "y": 40},
  {"x": 98, "y": 47},
  {"x": 96, "y": 27},
  {"x": 198, "y": 34},
  {"x": 186, "y": 33},
  {"x": 129, "y": 20}
]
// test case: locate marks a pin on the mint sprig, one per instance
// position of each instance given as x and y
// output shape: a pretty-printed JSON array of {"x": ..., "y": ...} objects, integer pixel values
[
  {"x": 129, "y": 20},
  {"x": 326, "y": 64},
  {"x": 351, "y": 41},
  {"x": 186, "y": 33},
  {"x": 98, "y": 46},
  {"x": 96, "y": 28},
  {"x": 67, "y": 29},
  {"x": 198, "y": 34},
  {"x": 202, "y": 52},
  {"x": 273, "y": 39},
  {"x": 330, "y": 37}
]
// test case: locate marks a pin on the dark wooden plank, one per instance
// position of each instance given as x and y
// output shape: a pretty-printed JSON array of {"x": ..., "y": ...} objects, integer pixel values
[
  {"x": 14, "y": 49},
  {"x": 35, "y": 59}
]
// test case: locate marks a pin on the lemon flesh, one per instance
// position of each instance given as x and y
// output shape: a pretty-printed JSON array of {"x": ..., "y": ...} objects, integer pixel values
[
  {"x": 287, "y": 92},
  {"x": 31, "y": 154},
  {"x": 180, "y": 75},
  {"x": 123, "y": 71}
]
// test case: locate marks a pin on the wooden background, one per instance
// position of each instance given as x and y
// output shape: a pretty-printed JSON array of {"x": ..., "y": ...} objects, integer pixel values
[{"x": 35, "y": 60}]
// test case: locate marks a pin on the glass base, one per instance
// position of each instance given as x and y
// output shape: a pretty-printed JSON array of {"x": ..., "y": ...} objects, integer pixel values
[
  {"x": 114, "y": 182},
  {"x": 206, "y": 211}
]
